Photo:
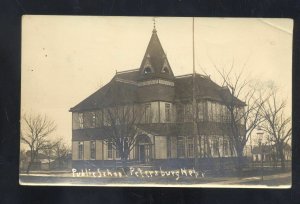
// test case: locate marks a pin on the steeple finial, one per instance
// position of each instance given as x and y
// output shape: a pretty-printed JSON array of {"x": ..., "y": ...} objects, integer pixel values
[{"x": 154, "y": 26}]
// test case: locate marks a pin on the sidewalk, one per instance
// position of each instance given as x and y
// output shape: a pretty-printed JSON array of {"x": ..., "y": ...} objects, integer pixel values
[
  {"x": 257, "y": 179},
  {"x": 275, "y": 179},
  {"x": 63, "y": 173}
]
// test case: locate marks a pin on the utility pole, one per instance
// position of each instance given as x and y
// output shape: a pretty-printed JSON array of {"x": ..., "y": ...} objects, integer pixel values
[{"x": 194, "y": 105}]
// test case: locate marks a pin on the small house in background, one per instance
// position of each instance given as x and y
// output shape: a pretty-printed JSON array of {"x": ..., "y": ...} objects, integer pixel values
[
  {"x": 248, "y": 151},
  {"x": 42, "y": 162},
  {"x": 265, "y": 152},
  {"x": 268, "y": 153},
  {"x": 164, "y": 134}
]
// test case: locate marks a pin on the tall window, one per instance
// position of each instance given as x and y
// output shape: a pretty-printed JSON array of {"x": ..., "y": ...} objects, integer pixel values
[
  {"x": 148, "y": 113},
  {"x": 181, "y": 147},
  {"x": 185, "y": 147},
  {"x": 190, "y": 147},
  {"x": 98, "y": 118},
  {"x": 213, "y": 111},
  {"x": 106, "y": 118},
  {"x": 168, "y": 112},
  {"x": 93, "y": 119},
  {"x": 210, "y": 110},
  {"x": 180, "y": 112},
  {"x": 217, "y": 112},
  {"x": 117, "y": 154},
  {"x": 215, "y": 145},
  {"x": 226, "y": 147},
  {"x": 80, "y": 118},
  {"x": 93, "y": 150},
  {"x": 201, "y": 110},
  {"x": 109, "y": 150},
  {"x": 207, "y": 146},
  {"x": 188, "y": 114},
  {"x": 87, "y": 120},
  {"x": 222, "y": 113},
  {"x": 169, "y": 147},
  {"x": 80, "y": 150}
]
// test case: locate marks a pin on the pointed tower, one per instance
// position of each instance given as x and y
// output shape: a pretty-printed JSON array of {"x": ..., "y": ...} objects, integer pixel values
[
  {"x": 155, "y": 64},
  {"x": 156, "y": 78}
]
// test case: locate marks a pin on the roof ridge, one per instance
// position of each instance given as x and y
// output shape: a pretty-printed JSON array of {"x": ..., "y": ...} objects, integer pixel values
[
  {"x": 197, "y": 74},
  {"x": 127, "y": 71},
  {"x": 126, "y": 81}
]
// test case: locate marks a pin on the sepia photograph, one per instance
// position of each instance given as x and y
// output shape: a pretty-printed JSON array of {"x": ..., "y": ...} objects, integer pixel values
[{"x": 156, "y": 101}]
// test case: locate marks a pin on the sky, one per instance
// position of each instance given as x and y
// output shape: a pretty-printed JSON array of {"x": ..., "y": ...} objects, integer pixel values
[{"x": 67, "y": 58}]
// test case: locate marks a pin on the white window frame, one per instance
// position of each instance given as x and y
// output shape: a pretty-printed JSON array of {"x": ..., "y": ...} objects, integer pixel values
[
  {"x": 181, "y": 148},
  {"x": 80, "y": 119},
  {"x": 168, "y": 113},
  {"x": 93, "y": 150},
  {"x": 80, "y": 150},
  {"x": 109, "y": 151},
  {"x": 148, "y": 114}
]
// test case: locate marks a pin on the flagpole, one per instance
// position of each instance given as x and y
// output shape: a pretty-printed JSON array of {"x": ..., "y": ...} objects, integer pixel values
[{"x": 194, "y": 104}]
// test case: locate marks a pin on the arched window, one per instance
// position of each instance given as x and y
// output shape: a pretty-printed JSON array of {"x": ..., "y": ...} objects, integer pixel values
[
  {"x": 147, "y": 70},
  {"x": 165, "y": 70}
]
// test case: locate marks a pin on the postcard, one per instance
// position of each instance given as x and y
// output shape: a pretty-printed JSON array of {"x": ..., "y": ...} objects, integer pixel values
[{"x": 156, "y": 101}]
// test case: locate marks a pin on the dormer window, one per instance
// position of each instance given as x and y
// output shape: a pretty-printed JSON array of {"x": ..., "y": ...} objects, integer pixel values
[
  {"x": 165, "y": 70},
  {"x": 147, "y": 70}
]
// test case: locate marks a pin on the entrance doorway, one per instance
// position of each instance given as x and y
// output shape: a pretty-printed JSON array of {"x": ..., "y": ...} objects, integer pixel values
[
  {"x": 143, "y": 149},
  {"x": 144, "y": 153}
]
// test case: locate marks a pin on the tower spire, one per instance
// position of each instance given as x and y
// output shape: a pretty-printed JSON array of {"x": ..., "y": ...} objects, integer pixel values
[
  {"x": 154, "y": 25},
  {"x": 155, "y": 63}
]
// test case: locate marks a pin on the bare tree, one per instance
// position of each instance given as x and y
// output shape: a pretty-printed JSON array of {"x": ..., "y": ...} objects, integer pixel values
[
  {"x": 35, "y": 131},
  {"x": 61, "y": 152},
  {"x": 48, "y": 151},
  {"x": 276, "y": 124},
  {"x": 122, "y": 126},
  {"x": 22, "y": 159},
  {"x": 243, "y": 100}
]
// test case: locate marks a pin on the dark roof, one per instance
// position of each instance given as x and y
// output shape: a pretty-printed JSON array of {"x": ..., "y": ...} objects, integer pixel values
[
  {"x": 122, "y": 89},
  {"x": 156, "y": 58},
  {"x": 131, "y": 75},
  {"x": 113, "y": 93},
  {"x": 204, "y": 88}
]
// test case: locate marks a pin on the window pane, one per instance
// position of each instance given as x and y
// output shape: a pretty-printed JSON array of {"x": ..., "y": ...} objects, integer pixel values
[
  {"x": 80, "y": 118},
  {"x": 109, "y": 150},
  {"x": 201, "y": 110},
  {"x": 190, "y": 147},
  {"x": 188, "y": 115},
  {"x": 169, "y": 147},
  {"x": 168, "y": 112},
  {"x": 210, "y": 111},
  {"x": 216, "y": 147},
  {"x": 106, "y": 118},
  {"x": 180, "y": 113},
  {"x": 98, "y": 118},
  {"x": 226, "y": 147},
  {"x": 88, "y": 119},
  {"x": 93, "y": 150},
  {"x": 80, "y": 150},
  {"x": 147, "y": 113},
  {"x": 181, "y": 147}
]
